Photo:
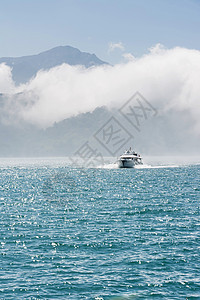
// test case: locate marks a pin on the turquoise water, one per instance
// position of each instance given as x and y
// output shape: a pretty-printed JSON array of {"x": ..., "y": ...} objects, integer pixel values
[{"x": 105, "y": 233}]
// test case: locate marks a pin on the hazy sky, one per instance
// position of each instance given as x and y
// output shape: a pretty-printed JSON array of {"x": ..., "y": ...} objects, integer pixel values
[{"x": 128, "y": 26}]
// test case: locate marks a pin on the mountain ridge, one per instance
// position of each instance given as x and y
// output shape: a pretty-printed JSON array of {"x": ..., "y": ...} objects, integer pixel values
[{"x": 26, "y": 67}]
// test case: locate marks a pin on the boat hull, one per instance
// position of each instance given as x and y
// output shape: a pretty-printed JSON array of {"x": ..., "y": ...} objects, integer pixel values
[
  {"x": 128, "y": 163},
  {"x": 125, "y": 165}
]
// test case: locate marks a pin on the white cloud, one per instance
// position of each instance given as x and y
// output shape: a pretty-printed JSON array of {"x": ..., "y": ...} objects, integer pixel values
[
  {"x": 128, "y": 56},
  {"x": 114, "y": 46},
  {"x": 6, "y": 82},
  {"x": 157, "y": 49},
  {"x": 168, "y": 79}
]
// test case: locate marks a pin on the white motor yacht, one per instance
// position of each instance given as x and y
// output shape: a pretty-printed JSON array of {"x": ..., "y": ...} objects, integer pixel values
[{"x": 129, "y": 159}]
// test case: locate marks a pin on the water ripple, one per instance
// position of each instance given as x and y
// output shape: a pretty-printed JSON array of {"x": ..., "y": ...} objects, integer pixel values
[{"x": 70, "y": 233}]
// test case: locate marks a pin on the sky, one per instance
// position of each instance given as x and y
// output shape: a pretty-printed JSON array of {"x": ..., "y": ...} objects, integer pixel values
[{"x": 111, "y": 29}]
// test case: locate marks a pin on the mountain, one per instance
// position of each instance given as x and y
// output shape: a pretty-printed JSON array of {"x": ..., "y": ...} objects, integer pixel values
[
  {"x": 168, "y": 133},
  {"x": 159, "y": 135},
  {"x": 62, "y": 139},
  {"x": 19, "y": 138},
  {"x": 26, "y": 67}
]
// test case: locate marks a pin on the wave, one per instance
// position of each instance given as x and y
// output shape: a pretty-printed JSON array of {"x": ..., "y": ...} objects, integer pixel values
[
  {"x": 155, "y": 167},
  {"x": 144, "y": 166}
]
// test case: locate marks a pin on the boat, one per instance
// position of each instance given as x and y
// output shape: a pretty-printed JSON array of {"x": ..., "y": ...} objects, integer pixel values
[{"x": 129, "y": 159}]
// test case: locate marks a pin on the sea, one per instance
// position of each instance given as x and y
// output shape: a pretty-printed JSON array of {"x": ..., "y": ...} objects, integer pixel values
[{"x": 100, "y": 233}]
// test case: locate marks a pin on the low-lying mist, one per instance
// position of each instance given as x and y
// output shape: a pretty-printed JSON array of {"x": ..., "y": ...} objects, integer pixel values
[{"x": 167, "y": 78}]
